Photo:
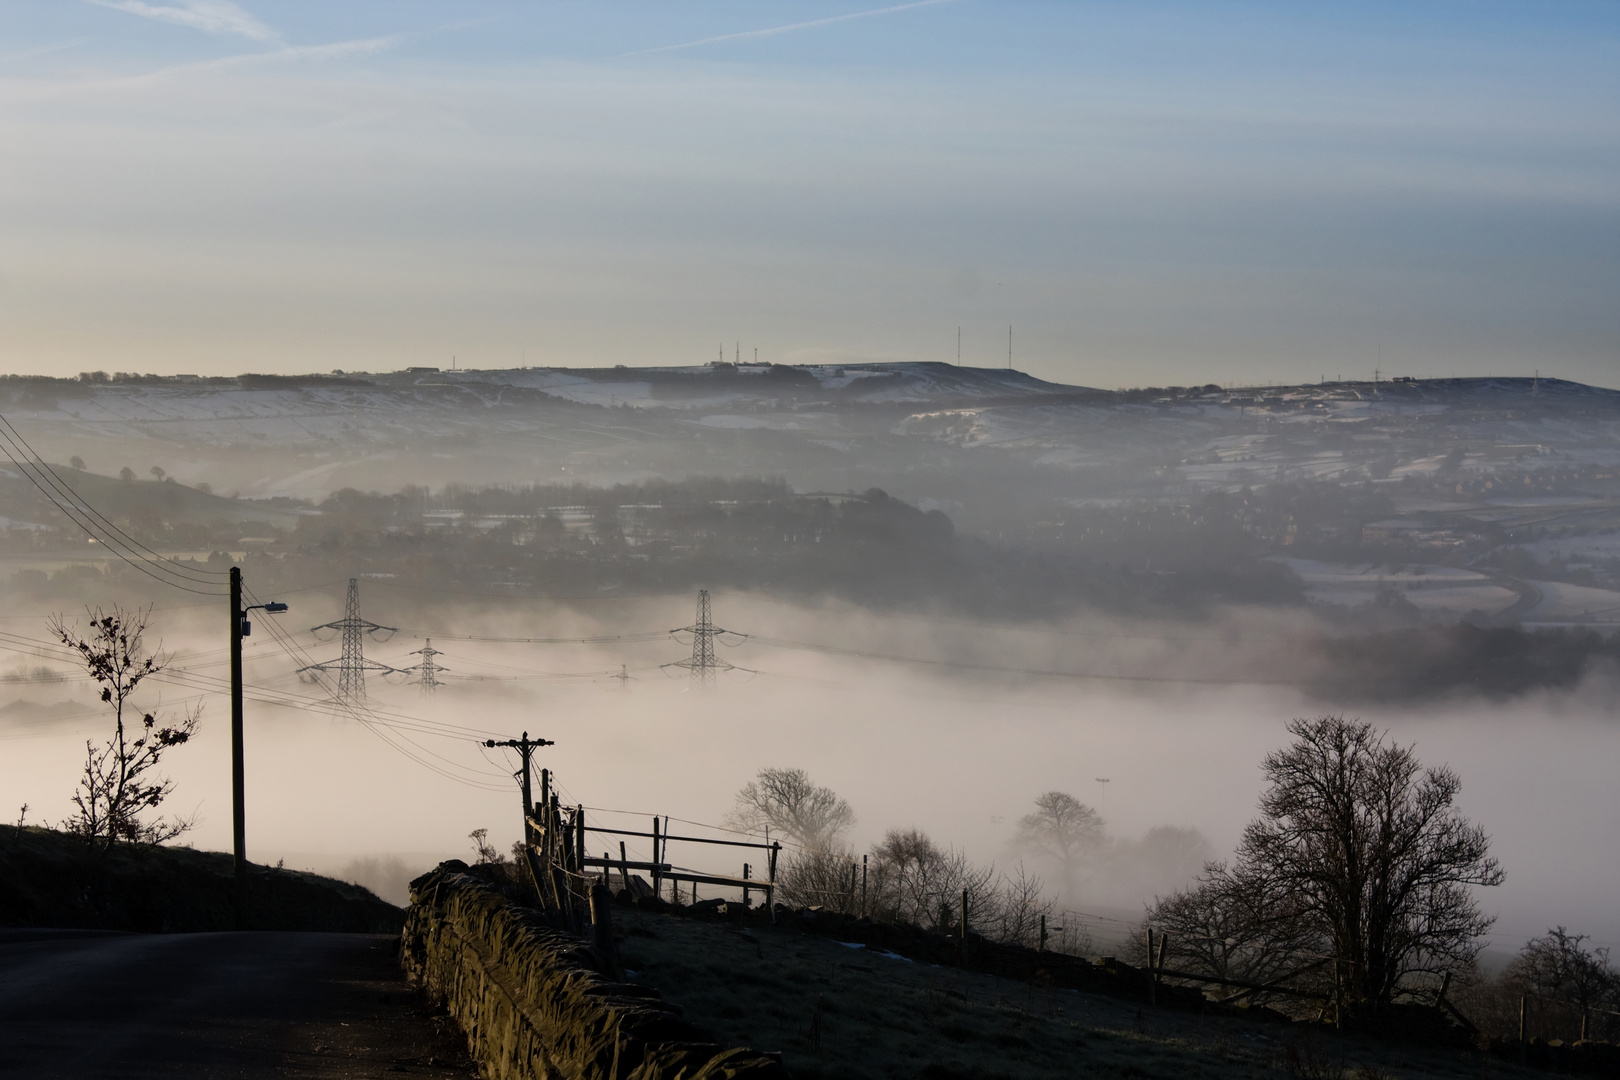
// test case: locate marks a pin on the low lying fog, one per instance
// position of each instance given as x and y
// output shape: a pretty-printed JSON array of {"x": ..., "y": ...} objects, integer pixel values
[{"x": 960, "y": 753}]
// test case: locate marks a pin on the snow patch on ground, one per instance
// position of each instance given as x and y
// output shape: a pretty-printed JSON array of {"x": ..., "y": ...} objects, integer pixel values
[
  {"x": 1574, "y": 603},
  {"x": 1438, "y": 590}
]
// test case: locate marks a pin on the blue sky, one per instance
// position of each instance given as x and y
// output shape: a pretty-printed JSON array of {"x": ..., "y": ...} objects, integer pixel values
[{"x": 1150, "y": 193}]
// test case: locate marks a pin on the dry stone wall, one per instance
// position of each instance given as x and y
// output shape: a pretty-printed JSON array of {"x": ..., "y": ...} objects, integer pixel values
[{"x": 534, "y": 1001}]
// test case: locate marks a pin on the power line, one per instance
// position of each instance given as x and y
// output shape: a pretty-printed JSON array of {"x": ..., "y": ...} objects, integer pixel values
[
  {"x": 392, "y": 729},
  {"x": 98, "y": 527},
  {"x": 603, "y": 639},
  {"x": 970, "y": 665}
]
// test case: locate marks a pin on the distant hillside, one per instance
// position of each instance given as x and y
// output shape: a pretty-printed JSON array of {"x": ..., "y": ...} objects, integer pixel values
[
  {"x": 938, "y": 428},
  {"x": 1493, "y": 500},
  {"x": 21, "y": 500}
]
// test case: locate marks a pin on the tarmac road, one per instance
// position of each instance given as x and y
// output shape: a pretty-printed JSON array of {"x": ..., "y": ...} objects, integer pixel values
[{"x": 90, "y": 1004}]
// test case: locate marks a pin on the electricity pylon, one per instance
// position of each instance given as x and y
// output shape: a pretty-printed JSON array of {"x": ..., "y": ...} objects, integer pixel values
[
  {"x": 623, "y": 678},
  {"x": 703, "y": 663},
  {"x": 352, "y": 665},
  {"x": 429, "y": 670}
]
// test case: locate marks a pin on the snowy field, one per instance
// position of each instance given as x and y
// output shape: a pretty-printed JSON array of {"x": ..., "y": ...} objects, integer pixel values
[
  {"x": 1575, "y": 548},
  {"x": 1440, "y": 590},
  {"x": 1577, "y": 604}
]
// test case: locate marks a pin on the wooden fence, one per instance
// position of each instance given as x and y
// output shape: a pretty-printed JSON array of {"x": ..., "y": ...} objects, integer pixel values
[{"x": 561, "y": 861}]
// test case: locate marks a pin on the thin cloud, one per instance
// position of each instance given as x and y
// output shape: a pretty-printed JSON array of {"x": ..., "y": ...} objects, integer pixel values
[
  {"x": 209, "y": 16},
  {"x": 43, "y": 50},
  {"x": 789, "y": 28},
  {"x": 337, "y": 50}
]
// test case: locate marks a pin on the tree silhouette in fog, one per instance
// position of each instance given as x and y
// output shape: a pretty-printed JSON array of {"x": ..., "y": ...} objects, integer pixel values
[
  {"x": 1359, "y": 869},
  {"x": 788, "y": 802},
  {"x": 1065, "y": 831},
  {"x": 119, "y": 783}
]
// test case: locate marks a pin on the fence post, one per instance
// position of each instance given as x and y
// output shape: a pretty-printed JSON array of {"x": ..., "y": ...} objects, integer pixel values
[
  {"x": 1153, "y": 977},
  {"x": 658, "y": 860},
  {"x": 770, "y": 890},
  {"x": 624, "y": 867},
  {"x": 864, "y": 910},
  {"x": 851, "y": 884},
  {"x": 579, "y": 845},
  {"x": 556, "y": 862},
  {"x": 554, "y": 830}
]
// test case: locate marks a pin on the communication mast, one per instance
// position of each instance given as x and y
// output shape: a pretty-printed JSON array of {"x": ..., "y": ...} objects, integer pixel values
[{"x": 352, "y": 665}]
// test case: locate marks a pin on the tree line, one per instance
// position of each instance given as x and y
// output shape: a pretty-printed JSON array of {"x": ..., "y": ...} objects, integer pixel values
[{"x": 1357, "y": 883}]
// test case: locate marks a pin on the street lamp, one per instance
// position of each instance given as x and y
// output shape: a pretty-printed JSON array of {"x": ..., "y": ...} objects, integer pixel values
[{"x": 240, "y": 628}]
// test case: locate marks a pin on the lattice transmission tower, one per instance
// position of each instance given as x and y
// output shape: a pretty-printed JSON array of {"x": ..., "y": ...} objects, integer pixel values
[
  {"x": 352, "y": 665},
  {"x": 703, "y": 664},
  {"x": 428, "y": 669}
]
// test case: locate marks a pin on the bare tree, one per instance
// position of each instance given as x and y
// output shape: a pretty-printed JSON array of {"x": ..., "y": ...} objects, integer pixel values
[
  {"x": 1065, "y": 831},
  {"x": 1557, "y": 965},
  {"x": 913, "y": 880},
  {"x": 1231, "y": 927},
  {"x": 488, "y": 853},
  {"x": 820, "y": 877},
  {"x": 1360, "y": 846},
  {"x": 787, "y": 801},
  {"x": 1023, "y": 903},
  {"x": 119, "y": 783}
]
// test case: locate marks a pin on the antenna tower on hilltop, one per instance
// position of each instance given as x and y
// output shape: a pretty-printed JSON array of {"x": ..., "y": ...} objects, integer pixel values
[
  {"x": 352, "y": 665},
  {"x": 703, "y": 664},
  {"x": 430, "y": 670}
]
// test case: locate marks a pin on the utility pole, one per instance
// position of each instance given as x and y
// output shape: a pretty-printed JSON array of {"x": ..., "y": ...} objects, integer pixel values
[
  {"x": 1009, "y": 346},
  {"x": 525, "y": 748},
  {"x": 703, "y": 663},
  {"x": 429, "y": 669},
  {"x": 1102, "y": 805},
  {"x": 240, "y": 628},
  {"x": 352, "y": 665}
]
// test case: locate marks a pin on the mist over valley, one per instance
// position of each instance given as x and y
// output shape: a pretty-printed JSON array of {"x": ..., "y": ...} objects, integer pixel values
[{"x": 937, "y": 622}]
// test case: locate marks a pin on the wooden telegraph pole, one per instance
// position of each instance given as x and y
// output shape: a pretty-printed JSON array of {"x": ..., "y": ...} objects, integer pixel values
[
  {"x": 525, "y": 748},
  {"x": 240, "y": 628}
]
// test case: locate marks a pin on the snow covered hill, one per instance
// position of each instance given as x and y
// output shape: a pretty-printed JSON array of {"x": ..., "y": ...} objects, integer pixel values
[{"x": 926, "y": 430}]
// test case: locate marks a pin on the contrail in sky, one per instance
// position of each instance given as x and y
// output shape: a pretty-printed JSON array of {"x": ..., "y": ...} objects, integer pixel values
[{"x": 774, "y": 30}]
